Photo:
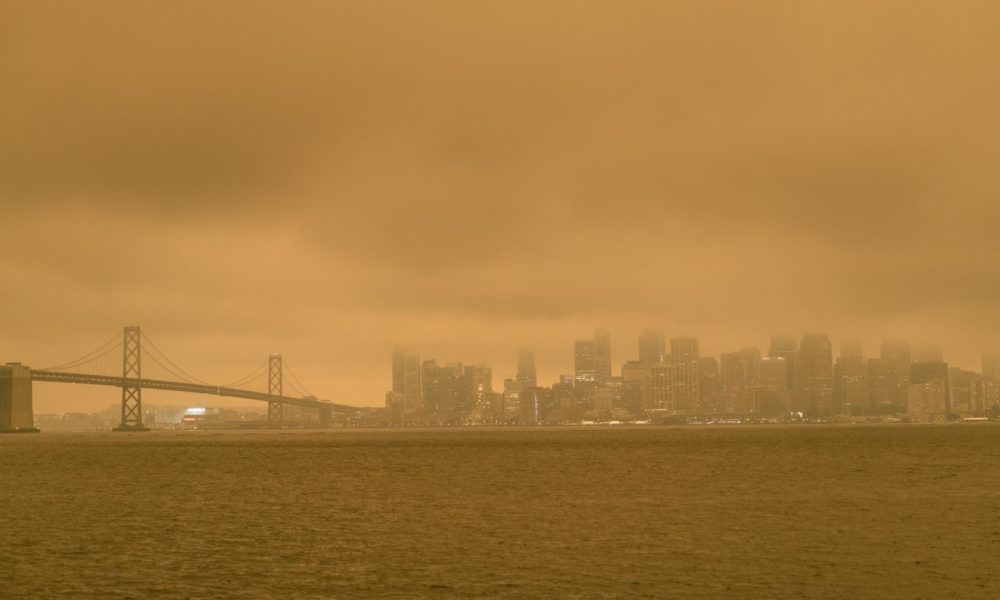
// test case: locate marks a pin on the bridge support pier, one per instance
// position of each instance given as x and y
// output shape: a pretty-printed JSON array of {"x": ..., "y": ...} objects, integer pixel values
[
  {"x": 275, "y": 410},
  {"x": 132, "y": 385},
  {"x": 16, "y": 413}
]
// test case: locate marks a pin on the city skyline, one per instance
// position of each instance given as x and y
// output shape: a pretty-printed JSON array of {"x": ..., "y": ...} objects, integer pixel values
[
  {"x": 792, "y": 378},
  {"x": 551, "y": 363}
]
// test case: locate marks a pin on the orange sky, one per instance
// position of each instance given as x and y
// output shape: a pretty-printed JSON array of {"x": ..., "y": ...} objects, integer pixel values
[{"x": 326, "y": 179}]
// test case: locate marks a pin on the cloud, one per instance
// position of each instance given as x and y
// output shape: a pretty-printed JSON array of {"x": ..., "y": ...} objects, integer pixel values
[{"x": 524, "y": 171}]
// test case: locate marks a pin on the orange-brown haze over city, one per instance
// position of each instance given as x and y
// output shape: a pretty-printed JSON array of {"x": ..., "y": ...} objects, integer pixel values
[{"x": 328, "y": 180}]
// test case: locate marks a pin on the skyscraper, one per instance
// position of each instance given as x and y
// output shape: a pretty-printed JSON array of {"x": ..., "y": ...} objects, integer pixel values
[
  {"x": 399, "y": 369},
  {"x": 816, "y": 354},
  {"x": 991, "y": 380},
  {"x": 895, "y": 373},
  {"x": 585, "y": 366},
  {"x": 852, "y": 390},
  {"x": 406, "y": 378},
  {"x": 652, "y": 346},
  {"x": 770, "y": 395},
  {"x": 684, "y": 356},
  {"x": 526, "y": 374},
  {"x": 430, "y": 380},
  {"x": 787, "y": 347},
  {"x": 991, "y": 365},
  {"x": 738, "y": 373},
  {"x": 709, "y": 388},
  {"x": 414, "y": 388},
  {"x": 635, "y": 376},
  {"x": 532, "y": 405},
  {"x": 453, "y": 400},
  {"x": 932, "y": 372},
  {"x": 602, "y": 354},
  {"x": 479, "y": 391},
  {"x": 966, "y": 391},
  {"x": 662, "y": 386}
]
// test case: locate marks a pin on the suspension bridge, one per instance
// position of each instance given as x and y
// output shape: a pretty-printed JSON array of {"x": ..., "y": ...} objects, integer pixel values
[{"x": 127, "y": 361}]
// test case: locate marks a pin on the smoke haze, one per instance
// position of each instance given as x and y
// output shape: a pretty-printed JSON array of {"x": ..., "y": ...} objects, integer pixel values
[{"x": 326, "y": 180}]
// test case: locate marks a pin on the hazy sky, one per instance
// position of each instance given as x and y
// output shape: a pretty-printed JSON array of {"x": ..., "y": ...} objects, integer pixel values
[{"x": 326, "y": 179}]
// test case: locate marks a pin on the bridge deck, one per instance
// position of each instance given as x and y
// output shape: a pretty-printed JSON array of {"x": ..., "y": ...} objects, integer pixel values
[{"x": 178, "y": 386}]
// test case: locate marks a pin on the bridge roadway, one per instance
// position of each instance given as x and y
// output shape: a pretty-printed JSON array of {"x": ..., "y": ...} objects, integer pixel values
[{"x": 178, "y": 386}]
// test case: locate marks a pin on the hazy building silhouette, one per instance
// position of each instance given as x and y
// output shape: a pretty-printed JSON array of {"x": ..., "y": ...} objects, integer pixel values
[
  {"x": 395, "y": 404},
  {"x": 852, "y": 389},
  {"x": 652, "y": 346},
  {"x": 684, "y": 355},
  {"x": 406, "y": 378},
  {"x": 635, "y": 374},
  {"x": 662, "y": 386},
  {"x": 770, "y": 394},
  {"x": 532, "y": 403},
  {"x": 931, "y": 372},
  {"x": 585, "y": 367},
  {"x": 991, "y": 381},
  {"x": 453, "y": 401},
  {"x": 991, "y": 365},
  {"x": 926, "y": 401},
  {"x": 787, "y": 347},
  {"x": 608, "y": 396},
  {"x": 511, "y": 400},
  {"x": 399, "y": 369},
  {"x": 709, "y": 387},
  {"x": 966, "y": 391},
  {"x": 430, "y": 381},
  {"x": 526, "y": 374},
  {"x": 602, "y": 355},
  {"x": 893, "y": 372},
  {"x": 816, "y": 354},
  {"x": 563, "y": 397},
  {"x": 479, "y": 392},
  {"x": 772, "y": 373},
  {"x": 738, "y": 373}
]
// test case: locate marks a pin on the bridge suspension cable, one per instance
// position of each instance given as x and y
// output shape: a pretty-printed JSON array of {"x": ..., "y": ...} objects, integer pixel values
[
  {"x": 99, "y": 356},
  {"x": 294, "y": 381},
  {"x": 152, "y": 351},
  {"x": 255, "y": 374}
]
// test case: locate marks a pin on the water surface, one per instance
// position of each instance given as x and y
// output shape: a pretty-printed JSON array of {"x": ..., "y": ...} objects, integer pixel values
[{"x": 742, "y": 512}]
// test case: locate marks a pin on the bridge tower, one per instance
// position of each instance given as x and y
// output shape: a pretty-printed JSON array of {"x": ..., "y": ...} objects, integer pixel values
[
  {"x": 132, "y": 381},
  {"x": 275, "y": 410}
]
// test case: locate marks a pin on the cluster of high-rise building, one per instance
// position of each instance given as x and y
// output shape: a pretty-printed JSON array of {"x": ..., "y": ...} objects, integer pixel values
[{"x": 795, "y": 379}]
